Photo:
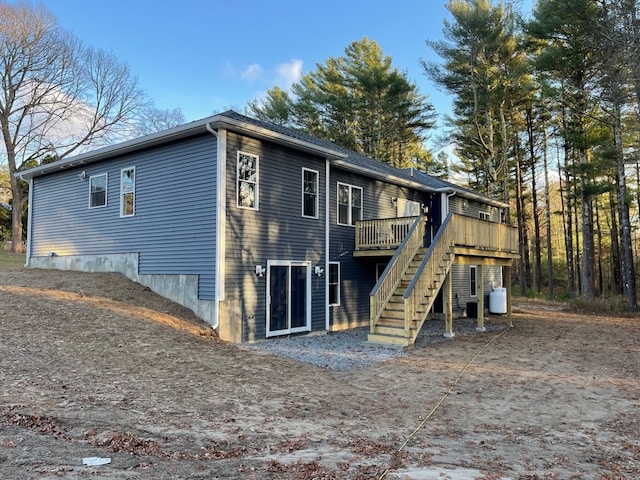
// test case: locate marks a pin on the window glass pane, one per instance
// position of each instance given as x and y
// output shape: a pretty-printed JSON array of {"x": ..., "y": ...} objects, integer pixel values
[
  {"x": 343, "y": 214},
  {"x": 309, "y": 206},
  {"x": 473, "y": 282},
  {"x": 246, "y": 195},
  {"x": 298, "y": 296},
  {"x": 128, "y": 180},
  {"x": 334, "y": 284},
  {"x": 98, "y": 191},
  {"x": 246, "y": 167},
  {"x": 356, "y": 214},
  {"x": 343, "y": 194},
  {"x": 310, "y": 182},
  {"x": 356, "y": 196},
  {"x": 128, "y": 199}
]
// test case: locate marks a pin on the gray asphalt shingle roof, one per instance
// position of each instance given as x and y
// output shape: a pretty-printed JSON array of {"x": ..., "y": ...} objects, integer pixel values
[{"x": 344, "y": 158}]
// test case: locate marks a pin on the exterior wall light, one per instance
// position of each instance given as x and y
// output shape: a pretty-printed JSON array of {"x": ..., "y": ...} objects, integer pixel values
[
  {"x": 260, "y": 270},
  {"x": 318, "y": 270}
]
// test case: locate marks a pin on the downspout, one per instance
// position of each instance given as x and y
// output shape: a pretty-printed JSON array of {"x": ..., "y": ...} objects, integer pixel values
[
  {"x": 445, "y": 206},
  {"x": 29, "y": 223},
  {"x": 327, "y": 308},
  {"x": 221, "y": 205}
]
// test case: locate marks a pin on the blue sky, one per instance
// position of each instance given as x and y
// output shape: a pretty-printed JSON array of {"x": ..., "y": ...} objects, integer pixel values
[{"x": 205, "y": 56}]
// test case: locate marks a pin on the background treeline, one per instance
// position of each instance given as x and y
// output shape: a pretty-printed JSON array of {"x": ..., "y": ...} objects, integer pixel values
[{"x": 545, "y": 118}]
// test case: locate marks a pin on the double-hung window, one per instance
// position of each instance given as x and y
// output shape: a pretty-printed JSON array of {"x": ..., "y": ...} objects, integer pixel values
[
  {"x": 309, "y": 193},
  {"x": 98, "y": 190},
  {"x": 334, "y": 283},
  {"x": 127, "y": 191},
  {"x": 349, "y": 204},
  {"x": 247, "y": 180},
  {"x": 484, "y": 216}
]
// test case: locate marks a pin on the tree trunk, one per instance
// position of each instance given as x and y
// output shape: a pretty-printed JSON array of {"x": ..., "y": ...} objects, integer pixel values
[
  {"x": 547, "y": 204},
  {"x": 628, "y": 270},
  {"x": 599, "y": 277},
  {"x": 537, "y": 280},
  {"x": 567, "y": 221},
  {"x": 616, "y": 266},
  {"x": 17, "y": 207},
  {"x": 522, "y": 231}
]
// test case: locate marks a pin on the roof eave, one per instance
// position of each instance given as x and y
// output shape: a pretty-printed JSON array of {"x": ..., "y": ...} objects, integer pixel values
[
  {"x": 265, "y": 133},
  {"x": 182, "y": 131},
  {"x": 473, "y": 196},
  {"x": 382, "y": 176}
]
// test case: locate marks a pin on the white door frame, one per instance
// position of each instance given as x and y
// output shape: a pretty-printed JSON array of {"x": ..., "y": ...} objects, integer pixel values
[{"x": 289, "y": 263}]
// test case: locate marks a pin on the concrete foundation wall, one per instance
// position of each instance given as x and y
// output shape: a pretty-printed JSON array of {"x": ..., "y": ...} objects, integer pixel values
[{"x": 182, "y": 289}]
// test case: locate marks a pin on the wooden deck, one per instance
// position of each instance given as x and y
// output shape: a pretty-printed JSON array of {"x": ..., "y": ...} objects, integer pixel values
[
  {"x": 404, "y": 294},
  {"x": 472, "y": 237}
]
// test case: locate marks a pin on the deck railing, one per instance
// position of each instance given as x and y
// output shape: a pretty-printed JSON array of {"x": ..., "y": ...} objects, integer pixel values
[
  {"x": 388, "y": 233},
  {"x": 476, "y": 233},
  {"x": 384, "y": 234},
  {"x": 390, "y": 278},
  {"x": 428, "y": 278}
]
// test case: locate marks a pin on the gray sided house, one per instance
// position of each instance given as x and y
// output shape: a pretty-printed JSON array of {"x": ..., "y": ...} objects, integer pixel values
[{"x": 265, "y": 231}]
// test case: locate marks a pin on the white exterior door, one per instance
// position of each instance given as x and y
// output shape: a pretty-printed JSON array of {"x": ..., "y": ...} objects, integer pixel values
[{"x": 288, "y": 297}]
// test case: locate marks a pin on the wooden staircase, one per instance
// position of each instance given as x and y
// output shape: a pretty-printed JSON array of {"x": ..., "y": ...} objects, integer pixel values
[{"x": 406, "y": 291}]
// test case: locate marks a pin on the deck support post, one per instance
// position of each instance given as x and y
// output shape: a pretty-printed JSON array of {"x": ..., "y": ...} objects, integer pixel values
[
  {"x": 447, "y": 301},
  {"x": 480, "y": 281},
  {"x": 507, "y": 284}
]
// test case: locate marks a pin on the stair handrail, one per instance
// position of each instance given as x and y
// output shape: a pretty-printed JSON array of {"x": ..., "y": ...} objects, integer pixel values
[
  {"x": 418, "y": 286},
  {"x": 392, "y": 274}
]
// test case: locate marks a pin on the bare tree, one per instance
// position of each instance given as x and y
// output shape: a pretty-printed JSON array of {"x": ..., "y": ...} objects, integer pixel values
[
  {"x": 153, "y": 119},
  {"x": 58, "y": 96}
]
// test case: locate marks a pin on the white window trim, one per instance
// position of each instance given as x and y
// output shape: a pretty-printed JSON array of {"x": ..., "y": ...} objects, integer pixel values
[
  {"x": 337, "y": 284},
  {"x": 484, "y": 215},
  {"x": 317, "y": 208},
  {"x": 350, "y": 219},
  {"x": 256, "y": 190},
  {"x": 106, "y": 190},
  {"x": 473, "y": 268},
  {"x": 122, "y": 192}
]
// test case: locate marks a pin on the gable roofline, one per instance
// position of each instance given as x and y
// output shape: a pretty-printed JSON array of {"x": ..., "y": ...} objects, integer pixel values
[
  {"x": 339, "y": 157},
  {"x": 176, "y": 133}
]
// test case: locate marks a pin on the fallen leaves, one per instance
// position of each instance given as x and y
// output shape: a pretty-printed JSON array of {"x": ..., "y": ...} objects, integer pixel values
[{"x": 44, "y": 425}]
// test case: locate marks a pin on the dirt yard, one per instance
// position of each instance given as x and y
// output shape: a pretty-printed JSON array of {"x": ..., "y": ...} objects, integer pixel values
[{"x": 92, "y": 365}]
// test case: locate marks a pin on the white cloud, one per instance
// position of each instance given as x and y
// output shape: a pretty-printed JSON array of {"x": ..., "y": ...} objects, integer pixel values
[
  {"x": 288, "y": 73},
  {"x": 251, "y": 73}
]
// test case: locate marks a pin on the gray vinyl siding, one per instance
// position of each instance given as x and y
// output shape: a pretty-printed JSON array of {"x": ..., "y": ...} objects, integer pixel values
[
  {"x": 276, "y": 231},
  {"x": 358, "y": 274},
  {"x": 173, "y": 228},
  {"x": 461, "y": 284},
  {"x": 472, "y": 208}
]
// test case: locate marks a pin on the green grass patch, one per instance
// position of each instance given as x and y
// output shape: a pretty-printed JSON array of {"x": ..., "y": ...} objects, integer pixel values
[
  {"x": 9, "y": 258},
  {"x": 615, "y": 305}
]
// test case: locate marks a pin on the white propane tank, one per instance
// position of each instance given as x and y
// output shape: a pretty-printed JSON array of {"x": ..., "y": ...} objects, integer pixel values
[{"x": 498, "y": 300}]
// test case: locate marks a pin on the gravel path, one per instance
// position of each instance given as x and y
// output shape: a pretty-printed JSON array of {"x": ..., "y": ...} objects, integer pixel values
[{"x": 349, "y": 349}]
